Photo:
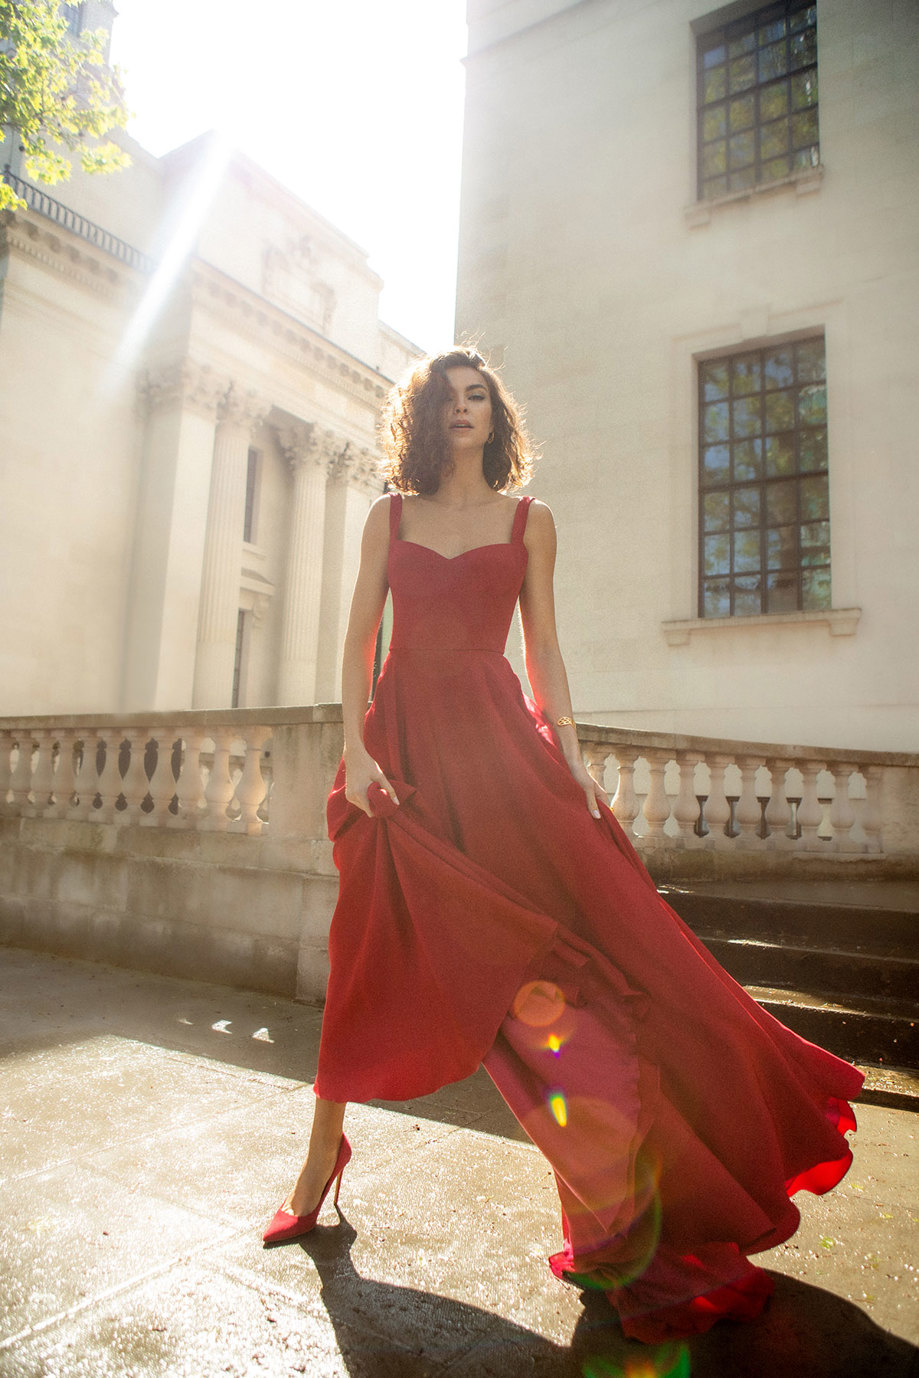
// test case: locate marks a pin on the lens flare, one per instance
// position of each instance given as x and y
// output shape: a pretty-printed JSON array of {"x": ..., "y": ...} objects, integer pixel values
[
  {"x": 626, "y": 1257},
  {"x": 559, "y": 1107},
  {"x": 538, "y": 1003},
  {"x": 669, "y": 1361},
  {"x": 555, "y": 1042}
]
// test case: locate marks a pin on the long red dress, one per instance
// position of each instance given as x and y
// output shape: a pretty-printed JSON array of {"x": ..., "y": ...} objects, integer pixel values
[{"x": 489, "y": 918}]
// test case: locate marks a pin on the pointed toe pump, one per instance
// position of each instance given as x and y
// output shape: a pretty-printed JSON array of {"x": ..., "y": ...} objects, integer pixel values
[{"x": 288, "y": 1226}]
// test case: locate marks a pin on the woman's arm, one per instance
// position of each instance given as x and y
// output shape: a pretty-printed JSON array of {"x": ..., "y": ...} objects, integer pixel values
[
  {"x": 545, "y": 666},
  {"x": 367, "y": 602}
]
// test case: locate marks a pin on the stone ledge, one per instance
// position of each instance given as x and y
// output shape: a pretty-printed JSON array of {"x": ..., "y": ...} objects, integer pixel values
[
  {"x": 839, "y": 621},
  {"x": 806, "y": 180}
]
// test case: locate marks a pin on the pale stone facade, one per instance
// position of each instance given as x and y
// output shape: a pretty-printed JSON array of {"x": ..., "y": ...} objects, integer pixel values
[
  {"x": 192, "y": 368},
  {"x": 593, "y": 267}
]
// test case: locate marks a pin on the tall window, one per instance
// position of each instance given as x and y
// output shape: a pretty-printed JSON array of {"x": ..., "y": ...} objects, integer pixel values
[
  {"x": 242, "y": 627},
  {"x": 764, "y": 519},
  {"x": 757, "y": 98},
  {"x": 251, "y": 497}
]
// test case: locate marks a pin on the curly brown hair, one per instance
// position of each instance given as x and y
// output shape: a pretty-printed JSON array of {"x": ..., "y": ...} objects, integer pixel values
[{"x": 414, "y": 436}]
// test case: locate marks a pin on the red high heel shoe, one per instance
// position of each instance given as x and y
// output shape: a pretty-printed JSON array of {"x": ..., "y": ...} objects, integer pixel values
[{"x": 286, "y": 1226}]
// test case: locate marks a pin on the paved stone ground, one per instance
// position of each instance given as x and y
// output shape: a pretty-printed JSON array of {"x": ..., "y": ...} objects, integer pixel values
[{"x": 150, "y": 1128}]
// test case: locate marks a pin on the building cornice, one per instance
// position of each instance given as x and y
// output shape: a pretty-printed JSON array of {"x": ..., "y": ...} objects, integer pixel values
[
  {"x": 250, "y": 314},
  {"x": 27, "y": 234}
]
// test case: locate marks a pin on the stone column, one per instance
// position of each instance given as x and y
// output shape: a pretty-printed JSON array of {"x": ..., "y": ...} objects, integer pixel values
[
  {"x": 239, "y": 414},
  {"x": 177, "y": 414},
  {"x": 308, "y": 453},
  {"x": 354, "y": 480}
]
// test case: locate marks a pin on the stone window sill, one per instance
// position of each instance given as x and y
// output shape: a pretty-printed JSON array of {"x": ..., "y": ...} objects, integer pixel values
[
  {"x": 839, "y": 621},
  {"x": 806, "y": 180}
]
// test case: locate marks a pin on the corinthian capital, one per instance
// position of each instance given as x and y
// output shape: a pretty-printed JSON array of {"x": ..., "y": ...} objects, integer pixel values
[
  {"x": 242, "y": 407},
  {"x": 187, "y": 384},
  {"x": 301, "y": 443}
]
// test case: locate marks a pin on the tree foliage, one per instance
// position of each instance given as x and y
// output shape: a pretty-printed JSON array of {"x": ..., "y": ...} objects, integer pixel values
[{"x": 57, "y": 94}]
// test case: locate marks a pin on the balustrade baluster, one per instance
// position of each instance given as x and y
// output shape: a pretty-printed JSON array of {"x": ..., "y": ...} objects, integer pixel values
[
  {"x": 656, "y": 808},
  {"x": 42, "y": 774},
  {"x": 64, "y": 780},
  {"x": 596, "y": 756},
  {"x": 104, "y": 747},
  {"x": 135, "y": 786},
  {"x": 842, "y": 811},
  {"x": 188, "y": 786},
  {"x": 162, "y": 784},
  {"x": 686, "y": 804},
  {"x": 748, "y": 812},
  {"x": 250, "y": 788},
  {"x": 21, "y": 783},
  {"x": 7, "y": 739},
  {"x": 83, "y": 766},
  {"x": 625, "y": 803},
  {"x": 219, "y": 791},
  {"x": 810, "y": 814},
  {"x": 778, "y": 810},
  {"x": 871, "y": 809},
  {"x": 717, "y": 808}
]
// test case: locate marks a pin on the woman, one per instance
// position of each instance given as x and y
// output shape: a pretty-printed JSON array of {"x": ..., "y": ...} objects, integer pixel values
[{"x": 491, "y": 910}]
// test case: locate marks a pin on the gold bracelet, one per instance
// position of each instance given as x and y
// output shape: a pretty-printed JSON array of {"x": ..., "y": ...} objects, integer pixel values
[{"x": 565, "y": 722}]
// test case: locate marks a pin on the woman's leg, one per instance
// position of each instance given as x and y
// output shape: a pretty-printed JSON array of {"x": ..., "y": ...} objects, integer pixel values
[{"x": 325, "y": 1137}]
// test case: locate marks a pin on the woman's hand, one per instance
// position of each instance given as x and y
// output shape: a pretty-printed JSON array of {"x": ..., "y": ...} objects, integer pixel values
[
  {"x": 361, "y": 771},
  {"x": 592, "y": 791}
]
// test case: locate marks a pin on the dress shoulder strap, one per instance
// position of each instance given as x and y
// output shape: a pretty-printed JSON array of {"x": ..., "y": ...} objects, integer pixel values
[
  {"x": 395, "y": 515},
  {"x": 520, "y": 519}
]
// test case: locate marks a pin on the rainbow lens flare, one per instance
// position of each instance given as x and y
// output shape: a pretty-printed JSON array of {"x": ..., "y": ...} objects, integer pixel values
[
  {"x": 558, "y": 1105},
  {"x": 669, "y": 1361}
]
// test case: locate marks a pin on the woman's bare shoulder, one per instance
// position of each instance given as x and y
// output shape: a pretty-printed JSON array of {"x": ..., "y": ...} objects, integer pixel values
[{"x": 540, "y": 526}]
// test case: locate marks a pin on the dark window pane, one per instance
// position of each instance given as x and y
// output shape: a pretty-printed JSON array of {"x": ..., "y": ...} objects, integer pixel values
[
  {"x": 781, "y": 503},
  {"x": 773, "y": 139},
  {"x": 715, "y": 186},
  {"x": 802, "y": 18},
  {"x": 782, "y": 547},
  {"x": 812, "y": 449},
  {"x": 741, "y": 113},
  {"x": 746, "y": 507},
  {"x": 746, "y": 413},
  {"x": 770, "y": 33},
  {"x": 716, "y": 511},
  {"x": 780, "y": 455},
  {"x": 815, "y": 499},
  {"x": 812, "y": 405},
  {"x": 716, "y": 421},
  {"x": 804, "y": 130},
  {"x": 811, "y": 361},
  {"x": 815, "y": 543},
  {"x": 746, "y": 551},
  {"x": 714, "y": 123},
  {"x": 773, "y": 62},
  {"x": 773, "y": 101},
  {"x": 716, "y": 598},
  {"x": 714, "y": 158},
  {"x": 745, "y": 374},
  {"x": 742, "y": 149},
  {"x": 712, "y": 56},
  {"x": 815, "y": 588},
  {"x": 740, "y": 181},
  {"x": 716, "y": 553},
  {"x": 744, "y": 43},
  {"x": 803, "y": 49},
  {"x": 714, "y": 85},
  {"x": 742, "y": 73},
  {"x": 748, "y": 460},
  {"x": 748, "y": 598},
  {"x": 717, "y": 464},
  {"x": 806, "y": 157},
  {"x": 781, "y": 592},
  {"x": 780, "y": 411},
  {"x": 779, "y": 368},
  {"x": 776, "y": 168},
  {"x": 715, "y": 379},
  {"x": 804, "y": 90}
]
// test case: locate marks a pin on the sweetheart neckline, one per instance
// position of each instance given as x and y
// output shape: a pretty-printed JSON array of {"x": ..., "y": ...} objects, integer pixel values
[{"x": 492, "y": 545}]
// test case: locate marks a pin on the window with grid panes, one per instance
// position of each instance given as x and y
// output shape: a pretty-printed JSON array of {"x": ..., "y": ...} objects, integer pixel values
[
  {"x": 757, "y": 96},
  {"x": 764, "y": 517}
]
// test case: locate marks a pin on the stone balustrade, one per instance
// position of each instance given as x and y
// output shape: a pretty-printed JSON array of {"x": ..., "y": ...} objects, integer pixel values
[{"x": 195, "y": 842}]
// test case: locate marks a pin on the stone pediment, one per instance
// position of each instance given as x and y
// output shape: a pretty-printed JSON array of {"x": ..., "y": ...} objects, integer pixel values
[{"x": 292, "y": 279}]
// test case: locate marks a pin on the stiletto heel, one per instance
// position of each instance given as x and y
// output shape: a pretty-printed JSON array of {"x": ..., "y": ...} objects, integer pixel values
[{"x": 286, "y": 1226}]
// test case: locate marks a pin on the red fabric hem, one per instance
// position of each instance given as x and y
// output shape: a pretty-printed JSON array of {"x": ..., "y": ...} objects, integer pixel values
[{"x": 742, "y": 1300}]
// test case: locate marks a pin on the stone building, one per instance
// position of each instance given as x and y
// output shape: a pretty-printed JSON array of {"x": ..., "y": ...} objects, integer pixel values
[
  {"x": 690, "y": 233},
  {"x": 192, "y": 367}
]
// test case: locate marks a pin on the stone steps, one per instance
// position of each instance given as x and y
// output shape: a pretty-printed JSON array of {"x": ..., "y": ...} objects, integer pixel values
[{"x": 843, "y": 975}]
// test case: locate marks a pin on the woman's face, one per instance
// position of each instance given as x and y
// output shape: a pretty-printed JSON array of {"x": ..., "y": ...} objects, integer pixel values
[{"x": 468, "y": 411}]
